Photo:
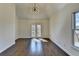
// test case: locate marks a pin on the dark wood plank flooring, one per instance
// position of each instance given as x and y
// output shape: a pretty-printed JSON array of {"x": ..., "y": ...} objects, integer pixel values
[{"x": 27, "y": 47}]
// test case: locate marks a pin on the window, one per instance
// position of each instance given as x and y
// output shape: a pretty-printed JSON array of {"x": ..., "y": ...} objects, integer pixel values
[
  {"x": 76, "y": 20},
  {"x": 33, "y": 34},
  {"x": 36, "y": 30},
  {"x": 76, "y": 29}
]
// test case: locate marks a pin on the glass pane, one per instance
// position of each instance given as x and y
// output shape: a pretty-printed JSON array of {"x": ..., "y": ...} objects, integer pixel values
[
  {"x": 33, "y": 30},
  {"x": 38, "y": 30},
  {"x": 77, "y": 20},
  {"x": 76, "y": 38}
]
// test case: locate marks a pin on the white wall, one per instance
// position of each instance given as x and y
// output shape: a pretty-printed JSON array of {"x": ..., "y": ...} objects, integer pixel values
[
  {"x": 16, "y": 32},
  {"x": 7, "y": 26},
  {"x": 24, "y": 27},
  {"x": 60, "y": 28}
]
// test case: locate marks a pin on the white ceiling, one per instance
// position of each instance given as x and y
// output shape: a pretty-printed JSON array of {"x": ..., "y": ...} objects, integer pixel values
[{"x": 45, "y": 10}]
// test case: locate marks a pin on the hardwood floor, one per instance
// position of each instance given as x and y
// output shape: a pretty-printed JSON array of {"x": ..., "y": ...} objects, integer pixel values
[{"x": 28, "y": 47}]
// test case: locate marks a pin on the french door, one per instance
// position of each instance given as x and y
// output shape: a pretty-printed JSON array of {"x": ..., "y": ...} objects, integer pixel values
[{"x": 36, "y": 31}]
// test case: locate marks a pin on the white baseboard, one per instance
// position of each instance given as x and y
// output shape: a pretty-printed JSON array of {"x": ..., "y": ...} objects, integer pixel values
[
  {"x": 7, "y": 47},
  {"x": 62, "y": 48}
]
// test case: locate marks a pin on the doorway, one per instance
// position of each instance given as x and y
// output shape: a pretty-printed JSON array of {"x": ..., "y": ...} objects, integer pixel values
[{"x": 36, "y": 30}]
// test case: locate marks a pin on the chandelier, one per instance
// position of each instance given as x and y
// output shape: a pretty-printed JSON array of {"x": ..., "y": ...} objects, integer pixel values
[{"x": 35, "y": 8}]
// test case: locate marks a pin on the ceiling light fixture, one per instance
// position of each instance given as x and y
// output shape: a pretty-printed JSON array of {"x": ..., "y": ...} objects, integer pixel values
[{"x": 35, "y": 7}]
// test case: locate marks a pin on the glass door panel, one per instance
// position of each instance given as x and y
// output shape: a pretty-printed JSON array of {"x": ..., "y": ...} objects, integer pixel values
[
  {"x": 33, "y": 33},
  {"x": 38, "y": 30}
]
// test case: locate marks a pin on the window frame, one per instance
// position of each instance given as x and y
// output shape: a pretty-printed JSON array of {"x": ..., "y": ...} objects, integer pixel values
[
  {"x": 75, "y": 20},
  {"x": 74, "y": 26}
]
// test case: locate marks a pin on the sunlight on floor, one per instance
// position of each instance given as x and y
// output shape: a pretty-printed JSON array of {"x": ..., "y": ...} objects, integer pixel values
[{"x": 36, "y": 46}]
